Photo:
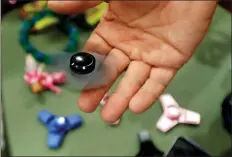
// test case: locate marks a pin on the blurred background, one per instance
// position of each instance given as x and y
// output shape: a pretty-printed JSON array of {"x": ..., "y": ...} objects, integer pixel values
[{"x": 202, "y": 85}]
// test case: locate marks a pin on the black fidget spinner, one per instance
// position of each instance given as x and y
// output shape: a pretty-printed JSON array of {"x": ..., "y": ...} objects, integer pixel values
[
  {"x": 84, "y": 70},
  {"x": 82, "y": 63}
]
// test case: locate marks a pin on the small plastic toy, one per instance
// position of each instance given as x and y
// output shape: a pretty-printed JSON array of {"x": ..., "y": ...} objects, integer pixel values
[
  {"x": 103, "y": 102},
  {"x": 91, "y": 17},
  {"x": 58, "y": 126},
  {"x": 173, "y": 114},
  {"x": 41, "y": 56},
  {"x": 147, "y": 147},
  {"x": 39, "y": 80},
  {"x": 29, "y": 10},
  {"x": 48, "y": 81}
]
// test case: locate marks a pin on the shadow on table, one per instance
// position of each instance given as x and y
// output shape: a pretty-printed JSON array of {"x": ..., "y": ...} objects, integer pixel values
[
  {"x": 227, "y": 153},
  {"x": 31, "y": 97},
  {"x": 214, "y": 134},
  {"x": 226, "y": 82},
  {"x": 145, "y": 119},
  {"x": 213, "y": 50}
]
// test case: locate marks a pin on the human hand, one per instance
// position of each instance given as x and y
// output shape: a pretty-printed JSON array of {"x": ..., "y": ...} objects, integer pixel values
[{"x": 154, "y": 38}]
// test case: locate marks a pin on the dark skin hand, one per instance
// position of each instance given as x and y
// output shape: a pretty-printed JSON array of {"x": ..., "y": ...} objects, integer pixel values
[{"x": 154, "y": 39}]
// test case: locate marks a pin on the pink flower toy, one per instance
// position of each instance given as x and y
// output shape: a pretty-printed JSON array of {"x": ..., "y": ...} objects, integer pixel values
[
  {"x": 48, "y": 81},
  {"x": 104, "y": 101},
  {"x": 39, "y": 80},
  {"x": 174, "y": 114},
  {"x": 32, "y": 75}
]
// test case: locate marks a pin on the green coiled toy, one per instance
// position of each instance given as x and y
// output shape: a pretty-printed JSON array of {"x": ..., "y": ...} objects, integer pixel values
[{"x": 38, "y": 55}]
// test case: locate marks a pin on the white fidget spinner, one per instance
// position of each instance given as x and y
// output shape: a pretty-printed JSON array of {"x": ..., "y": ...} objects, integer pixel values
[{"x": 174, "y": 114}]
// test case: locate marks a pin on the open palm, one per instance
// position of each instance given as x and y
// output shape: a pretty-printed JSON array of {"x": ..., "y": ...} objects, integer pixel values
[{"x": 154, "y": 39}]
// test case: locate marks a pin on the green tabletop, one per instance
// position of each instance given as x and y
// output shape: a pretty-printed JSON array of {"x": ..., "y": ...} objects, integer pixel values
[{"x": 200, "y": 86}]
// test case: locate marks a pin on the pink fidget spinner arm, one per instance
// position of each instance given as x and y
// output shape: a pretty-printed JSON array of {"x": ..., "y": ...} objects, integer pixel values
[{"x": 173, "y": 114}]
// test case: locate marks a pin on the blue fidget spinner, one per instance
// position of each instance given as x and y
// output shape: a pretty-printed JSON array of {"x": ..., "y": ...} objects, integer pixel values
[{"x": 58, "y": 126}]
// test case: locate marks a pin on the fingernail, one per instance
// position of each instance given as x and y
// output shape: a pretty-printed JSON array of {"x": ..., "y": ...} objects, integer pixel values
[{"x": 116, "y": 122}]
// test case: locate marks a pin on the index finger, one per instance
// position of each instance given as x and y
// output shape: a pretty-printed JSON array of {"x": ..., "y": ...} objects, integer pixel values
[{"x": 71, "y": 7}]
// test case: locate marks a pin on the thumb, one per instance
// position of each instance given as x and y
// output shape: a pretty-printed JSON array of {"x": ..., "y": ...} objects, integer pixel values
[{"x": 71, "y": 7}]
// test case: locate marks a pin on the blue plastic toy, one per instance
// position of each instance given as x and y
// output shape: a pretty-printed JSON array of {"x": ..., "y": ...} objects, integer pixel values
[{"x": 58, "y": 126}]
